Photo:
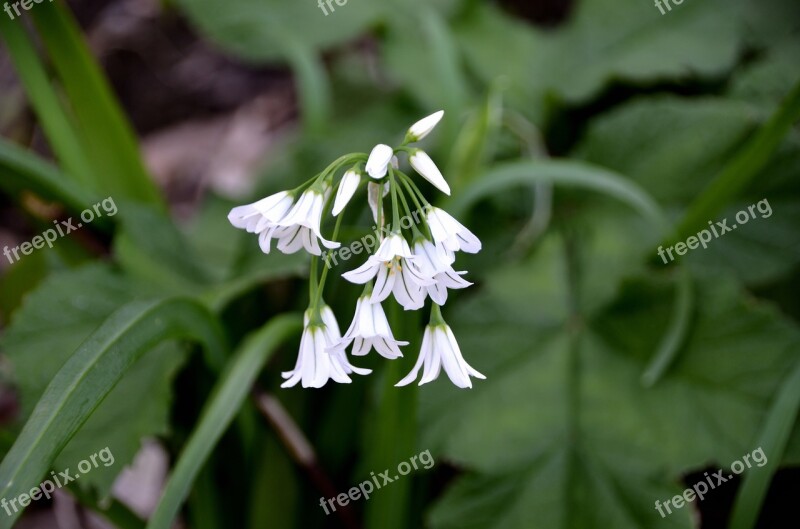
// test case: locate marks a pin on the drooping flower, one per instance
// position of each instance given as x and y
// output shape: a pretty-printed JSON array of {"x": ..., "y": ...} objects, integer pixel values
[
  {"x": 423, "y": 127},
  {"x": 440, "y": 348},
  {"x": 450, "y": 233},
  {"x": 315, "y": 365},
  {"x": 369, "y": 329},
  {"x": 435, "y": 261},
  {"x": 423, "y": 164},
  {"x": 372, "y": 197},
  {"x": 379, "y": 160},
  {"x": 300, "y": 227},
  {"x": 396, "y": 273},
  {"x": 347, "y": 187},
  {"x": 258, "y": 216}
]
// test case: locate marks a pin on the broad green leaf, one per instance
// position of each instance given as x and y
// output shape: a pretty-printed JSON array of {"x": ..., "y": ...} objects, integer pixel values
[
  {"x": 574, "y": 440},
  {"x": 89, "y": 375},
  {"x": 603, "y": 41},
  {"x": 223, "y": 404},
  {"x": 253, "y": 29},
  {"x": 674, "y": 147},
  {"x": 743, "y": 168},
  {"x": 110, "y": 143},
  {"x": 150, "y": 247},
  {"x": 52, "y": 323}
]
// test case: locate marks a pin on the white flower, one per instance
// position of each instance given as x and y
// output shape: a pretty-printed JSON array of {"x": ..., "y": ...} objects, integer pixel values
[
  {"x": 423, "y": 164},
  {"x": 423, "y": 127},
  {"x": 315, "y": 365},
  {"x": 450, "y": 233},
  {"x": 439, "y": 348},
  {"x": 300, "y": 227},
  {"x": 369, "y": 329},
  {"x": 379, "y": 160},
  {"x": 372, "y": 198},
  {"x": 347, "y": 187},
  {"x": 396, "y": 272},
  {"x": 258, "y": 216},
  {"x": 435, "y": 262}
]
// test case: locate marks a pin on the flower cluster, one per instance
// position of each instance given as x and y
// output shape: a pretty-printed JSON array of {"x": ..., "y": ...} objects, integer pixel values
[{"x": 411, "y": 263}]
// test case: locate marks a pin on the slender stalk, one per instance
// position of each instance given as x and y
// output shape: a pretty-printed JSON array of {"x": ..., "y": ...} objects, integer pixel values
[{"x": 392, "y": 438}]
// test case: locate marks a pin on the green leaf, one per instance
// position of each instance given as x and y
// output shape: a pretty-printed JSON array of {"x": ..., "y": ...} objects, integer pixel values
[
  {"x": 110, "y": 143},
  {"x": 150, "y": 247},
  {"x": 603, "y": 41},
  {"x": 226, "y": 400},
  {"x": 44, "y": 100},
  {"x": 673, "y": 147},
  {"x": 576, "y": 441},
  {"x": 251, "y": 29},
  {"x": 773, "y": 440},
  {"x": 54, "y": 321},
  {"x": 743, "y": 168},
  {"x": 24, "y": 171}
]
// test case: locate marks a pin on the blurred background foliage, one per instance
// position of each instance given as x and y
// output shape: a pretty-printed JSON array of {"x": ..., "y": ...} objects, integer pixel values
[{"x": 578, "y": 137}]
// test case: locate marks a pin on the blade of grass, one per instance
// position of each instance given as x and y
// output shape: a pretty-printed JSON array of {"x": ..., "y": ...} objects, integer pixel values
[
  {"x": 90, "y": 374},
  {"x": 55, "y": 122},
  {"x": 24, "y": 171},
  {"x": 773, "y": 441},
  {"x": 111, "y": 144},
  {"x": 222, "y": 406},
  {"x": 737, "y": 174}
]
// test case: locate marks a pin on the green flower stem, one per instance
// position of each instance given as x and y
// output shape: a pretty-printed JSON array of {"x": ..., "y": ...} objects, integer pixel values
[
  {"x": 326, "y": 268},
  {"x": 395, "y": 207},
  {"x": 405, "y": 179},
  {"x": 392, "y": 436},
  {"x": 379, "y": 210}
]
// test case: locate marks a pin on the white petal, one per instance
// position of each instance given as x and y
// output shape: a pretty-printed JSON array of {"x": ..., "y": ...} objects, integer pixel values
[
  {"x": 387, "y": 348},
  {"x": 424, "y": 353},
  {"x": 361, "y": 346},
  {"x": 363, "y": 273},
  {"x": 268, "y": 209},
  {"x": 300, "y": 211},
  {"x": 379, "y": 159},
  {"x": 366, "y": 325},
  {"x": 423, "y": 127},
  {"x": 383, "y": 284},
  {"x": 423, "y": 164},
  {"x": 290, "y": 239},
  {"x": 451, "y": 355},
  {"x": 451, "y": 279},
  {"x": 407, "y": 292},
  {"x": 438, "y": 293},
  {"x": 347, "y": 187}
]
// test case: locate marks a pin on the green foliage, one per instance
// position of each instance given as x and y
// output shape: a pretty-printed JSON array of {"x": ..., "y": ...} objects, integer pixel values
[{"x": 660, "y": 118}]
